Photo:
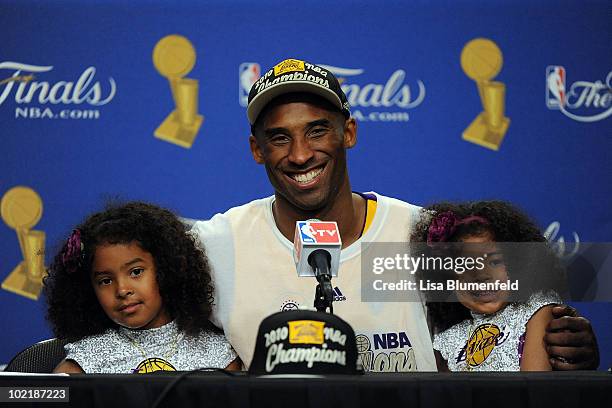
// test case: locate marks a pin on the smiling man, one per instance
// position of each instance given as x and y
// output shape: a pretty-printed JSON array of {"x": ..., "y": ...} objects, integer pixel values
[
  {"x": 301, "y": 129},
  {"x": 302, "y": 140}
]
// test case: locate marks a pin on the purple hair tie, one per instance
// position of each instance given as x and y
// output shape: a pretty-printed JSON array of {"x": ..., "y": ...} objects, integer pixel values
[
  {"x": 73, "y": 252},
  {"x": 441, "y": 227},
  {"x": 472, "y": 218},
  {"x": 444, "y": 225}
]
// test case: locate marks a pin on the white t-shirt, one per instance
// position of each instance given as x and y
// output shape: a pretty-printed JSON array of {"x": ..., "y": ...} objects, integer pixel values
[{"x": 254, "y": 276}]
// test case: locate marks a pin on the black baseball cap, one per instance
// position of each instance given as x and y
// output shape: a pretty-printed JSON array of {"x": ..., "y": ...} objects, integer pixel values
[
  {"x": 292, "y": 75},
  {"x": 304, "y": 342}
]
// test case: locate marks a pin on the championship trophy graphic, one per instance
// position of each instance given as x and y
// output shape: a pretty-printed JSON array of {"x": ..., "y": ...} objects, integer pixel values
[
  {"x": 174, "y": 57},
  {"x": 21, "y": 209},
  {"x": 481, "y": 60}
]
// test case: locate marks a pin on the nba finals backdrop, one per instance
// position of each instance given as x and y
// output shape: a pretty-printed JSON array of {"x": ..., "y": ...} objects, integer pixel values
[{"x": 455, "y": 100}]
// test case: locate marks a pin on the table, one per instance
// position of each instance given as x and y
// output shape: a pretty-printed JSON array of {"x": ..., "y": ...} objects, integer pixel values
[{"x": 492, "y": 390}]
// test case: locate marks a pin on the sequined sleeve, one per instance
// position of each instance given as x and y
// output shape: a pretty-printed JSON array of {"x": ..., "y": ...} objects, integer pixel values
[
  {"x": 450, "y": 341},
  {"x": 213, "y": 350},
  {"x": 92, "y": 353}
]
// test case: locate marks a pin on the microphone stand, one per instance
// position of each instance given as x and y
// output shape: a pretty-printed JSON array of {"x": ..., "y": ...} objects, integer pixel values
[{"x": 319, "y": 260}]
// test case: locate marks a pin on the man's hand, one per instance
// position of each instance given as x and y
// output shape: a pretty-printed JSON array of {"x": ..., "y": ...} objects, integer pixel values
[{"x": 570, "y": 341}]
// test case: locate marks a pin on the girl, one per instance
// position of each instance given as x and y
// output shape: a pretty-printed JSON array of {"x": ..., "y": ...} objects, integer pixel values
[
  {"x": 490, "y": 330},
  {"x": 131, "y": 290}
]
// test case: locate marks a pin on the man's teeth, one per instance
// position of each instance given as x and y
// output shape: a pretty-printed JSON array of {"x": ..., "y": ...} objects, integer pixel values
[{"x": 307, "y": 177}]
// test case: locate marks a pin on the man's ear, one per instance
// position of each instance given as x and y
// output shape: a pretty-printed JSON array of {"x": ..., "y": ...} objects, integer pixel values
[
  {"x": 256, "y": 150},
  {"x": 350, "y": 133}
]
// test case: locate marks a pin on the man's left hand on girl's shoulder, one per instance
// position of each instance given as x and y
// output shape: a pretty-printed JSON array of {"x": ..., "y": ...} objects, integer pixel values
[{"x": 570, "y": 341}]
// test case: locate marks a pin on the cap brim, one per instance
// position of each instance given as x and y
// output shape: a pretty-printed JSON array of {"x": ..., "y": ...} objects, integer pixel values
[{"x": 262, "y": 99}]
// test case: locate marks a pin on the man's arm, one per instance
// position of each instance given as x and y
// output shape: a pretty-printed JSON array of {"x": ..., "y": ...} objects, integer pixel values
[{"x": 570, "y": 341}]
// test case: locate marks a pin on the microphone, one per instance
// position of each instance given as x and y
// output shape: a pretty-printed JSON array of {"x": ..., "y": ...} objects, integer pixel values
[
  {"x": 317, "y": 247},
  {"x": 322, "y": 237},
  {"x": 320, "y": 262}
]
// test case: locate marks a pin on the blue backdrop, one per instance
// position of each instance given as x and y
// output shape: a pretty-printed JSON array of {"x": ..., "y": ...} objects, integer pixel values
[{"x": 91, "y": 136}]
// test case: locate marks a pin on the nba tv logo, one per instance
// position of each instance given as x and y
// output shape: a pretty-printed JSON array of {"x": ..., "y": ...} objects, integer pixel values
[
  {"x": 248, "y": 74},
  {"x": 322, "y": 232}
]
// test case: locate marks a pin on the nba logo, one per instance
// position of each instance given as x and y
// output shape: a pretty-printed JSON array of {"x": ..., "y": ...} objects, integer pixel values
[
  {"x": 248, "y": 74},
  {"x": 308, "y": 233},
  {"x": 555, "y": 87}
]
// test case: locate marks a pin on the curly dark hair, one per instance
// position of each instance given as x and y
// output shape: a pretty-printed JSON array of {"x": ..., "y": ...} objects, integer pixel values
[
  {"x": 183, "y": 272},
  {"x": 505, "y": 223}
]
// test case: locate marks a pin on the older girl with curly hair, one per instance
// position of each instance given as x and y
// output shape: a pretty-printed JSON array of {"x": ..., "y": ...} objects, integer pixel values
[{"x": 131, "y": 291}]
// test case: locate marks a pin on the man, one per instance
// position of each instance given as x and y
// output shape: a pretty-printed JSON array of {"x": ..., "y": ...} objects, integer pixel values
[{"x": 301, "y": 128}]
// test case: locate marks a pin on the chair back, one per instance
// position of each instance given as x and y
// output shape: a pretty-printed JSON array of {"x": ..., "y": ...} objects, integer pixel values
[{"x": 41, "y": 357}]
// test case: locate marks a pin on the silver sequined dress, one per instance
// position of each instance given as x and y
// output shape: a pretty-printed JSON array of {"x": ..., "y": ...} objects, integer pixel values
[
  {"x": 123, "y": 350},
  {"x": 491, "y": 342}
]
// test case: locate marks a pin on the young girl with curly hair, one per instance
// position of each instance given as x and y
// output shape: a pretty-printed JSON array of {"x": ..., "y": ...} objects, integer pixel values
[
  {"x": 489, "y": 329},
  {"x": 131, "y": 291}
]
